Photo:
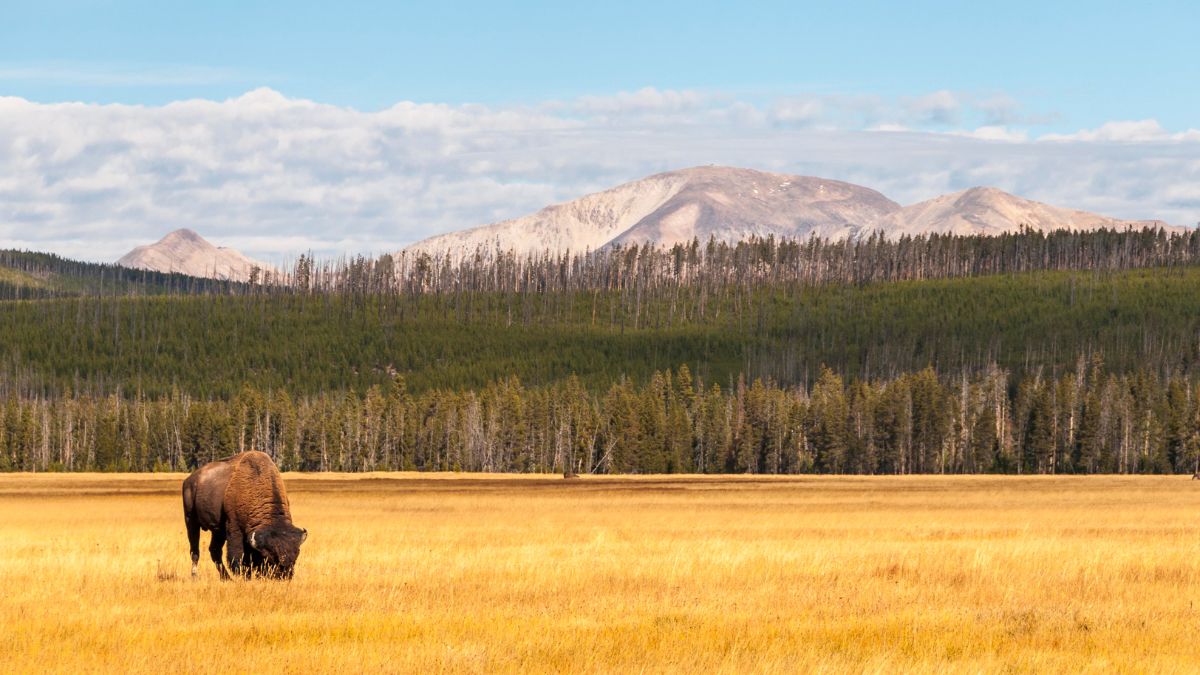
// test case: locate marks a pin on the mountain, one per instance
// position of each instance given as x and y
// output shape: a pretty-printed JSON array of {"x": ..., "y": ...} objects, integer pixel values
[
  {"x": 185, "y": 252},
  {"x": 731, "y": 204},
  {"x": 677, "y": 206},
  {"x": 984, "y": 210}
]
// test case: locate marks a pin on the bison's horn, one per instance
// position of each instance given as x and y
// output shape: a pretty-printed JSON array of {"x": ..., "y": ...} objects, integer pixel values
[
  {"x": 252, "y": 544},
  {"x": 303, "y": 535}
]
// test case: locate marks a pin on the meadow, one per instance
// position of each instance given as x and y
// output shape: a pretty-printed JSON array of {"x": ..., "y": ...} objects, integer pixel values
[{"x": 480, "y": 573}]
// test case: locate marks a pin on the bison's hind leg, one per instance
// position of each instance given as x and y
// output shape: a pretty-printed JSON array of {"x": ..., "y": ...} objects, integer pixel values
[
  {"x": 214, "y": 549},
  {"x": 193, "y": 531}
]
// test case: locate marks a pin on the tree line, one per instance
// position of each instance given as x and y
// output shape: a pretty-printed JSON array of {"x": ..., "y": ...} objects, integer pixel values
[
  {"x": 750, "y": 263},
  {"x": 643, "y": 270},
  {"x": 1084, "y": 420}
]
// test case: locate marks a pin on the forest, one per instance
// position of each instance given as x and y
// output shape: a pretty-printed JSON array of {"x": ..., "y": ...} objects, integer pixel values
[
  {"x": 208, "y": 346},
  {"x": 1086, "y": 420},
  {"x": 1028, "y": 353},
  {"x": 31, "y": 275}
]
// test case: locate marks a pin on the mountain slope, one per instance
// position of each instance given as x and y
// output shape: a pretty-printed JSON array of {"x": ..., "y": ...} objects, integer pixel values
[
  {"x": 989, "y": 211},
  {"x": 585, "y": 223},
  {"x": 185, "y": 252},
  {"x": 667, "y": 208}
]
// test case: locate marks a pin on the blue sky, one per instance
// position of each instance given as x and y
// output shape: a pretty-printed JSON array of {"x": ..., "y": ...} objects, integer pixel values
[
  {"x": 347, "y": 127},
  {"x": 1069, "y": 64}
]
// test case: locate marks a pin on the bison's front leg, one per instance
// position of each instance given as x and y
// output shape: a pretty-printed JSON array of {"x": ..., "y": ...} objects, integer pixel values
[
  {"x": 235, "y": 550},
  {"x": 214, "y": 550},
  {"x": 256, "y": 564}
]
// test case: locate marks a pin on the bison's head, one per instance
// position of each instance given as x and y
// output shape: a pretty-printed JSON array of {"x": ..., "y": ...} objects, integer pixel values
[{"x": 280, "y": 547}]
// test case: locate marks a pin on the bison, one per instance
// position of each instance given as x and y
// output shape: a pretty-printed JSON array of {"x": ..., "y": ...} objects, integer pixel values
[{"x": 241, "y": 500}]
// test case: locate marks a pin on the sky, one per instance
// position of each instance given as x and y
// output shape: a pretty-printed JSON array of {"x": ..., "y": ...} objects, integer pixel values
[{"x": 353, "y": 127}]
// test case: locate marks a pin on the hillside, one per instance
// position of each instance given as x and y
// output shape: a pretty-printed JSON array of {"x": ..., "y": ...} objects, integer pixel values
[
  {"x": 26, "y": 275},
  {"x": 212, "y": 345}
]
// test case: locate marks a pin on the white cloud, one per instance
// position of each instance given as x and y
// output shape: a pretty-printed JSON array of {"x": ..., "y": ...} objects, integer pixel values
[
  {"x": 995, "y": 133},
  {"x": 940, "y": 107},
  {"x": 800, "y": 112},
  {"x": 1131, "y": 131},
  {"x": 276, "y": 176},
  {"x": 644, "y": 100},
  {"x": 999, "y": 110}
]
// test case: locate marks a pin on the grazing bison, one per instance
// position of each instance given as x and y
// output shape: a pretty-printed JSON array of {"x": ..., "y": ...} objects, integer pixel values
[{"x": 241, "y": 500}]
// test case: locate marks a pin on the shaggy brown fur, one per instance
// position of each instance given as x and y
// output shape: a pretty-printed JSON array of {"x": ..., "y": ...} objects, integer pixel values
[{"x": 242, "y": 501}]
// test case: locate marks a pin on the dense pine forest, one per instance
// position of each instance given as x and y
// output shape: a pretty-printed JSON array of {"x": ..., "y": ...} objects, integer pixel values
[
  {"x": 26, "y": 275},
  {"x": 308, "y": 344},
  {"x": 1031, "y": 353},
  {"x": 1084, "y": 420}
]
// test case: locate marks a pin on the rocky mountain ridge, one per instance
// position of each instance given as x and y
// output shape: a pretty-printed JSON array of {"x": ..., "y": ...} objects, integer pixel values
[{"x": 731, "y": 204}]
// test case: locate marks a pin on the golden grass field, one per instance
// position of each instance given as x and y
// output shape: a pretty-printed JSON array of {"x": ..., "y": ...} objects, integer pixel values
[{"x": 420, "y": 573}]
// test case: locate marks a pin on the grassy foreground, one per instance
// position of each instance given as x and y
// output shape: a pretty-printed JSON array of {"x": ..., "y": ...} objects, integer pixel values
[{"x": 406, "y": 572}]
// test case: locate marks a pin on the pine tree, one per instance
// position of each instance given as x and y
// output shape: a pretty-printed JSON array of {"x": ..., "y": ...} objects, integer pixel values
[{"x": 828, "y": 432}]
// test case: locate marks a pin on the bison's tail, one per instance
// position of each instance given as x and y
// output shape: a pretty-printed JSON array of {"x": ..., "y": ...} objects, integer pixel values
[{"x": 189, "y": 500}]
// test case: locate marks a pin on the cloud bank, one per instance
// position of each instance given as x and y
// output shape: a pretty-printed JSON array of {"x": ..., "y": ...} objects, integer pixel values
[{"x": 275, "y": 176}]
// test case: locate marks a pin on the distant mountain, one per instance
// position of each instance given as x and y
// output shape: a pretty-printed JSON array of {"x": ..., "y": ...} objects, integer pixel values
[
  {"x": 185, "y": 252},
  {"x": 983, "y": 210},
  {"x": 731, "y": 204},
  {"x": 667, "y": 208}
]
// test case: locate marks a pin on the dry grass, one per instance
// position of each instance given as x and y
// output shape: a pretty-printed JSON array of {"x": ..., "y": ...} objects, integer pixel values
[{"x": 420, "y": 573}]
